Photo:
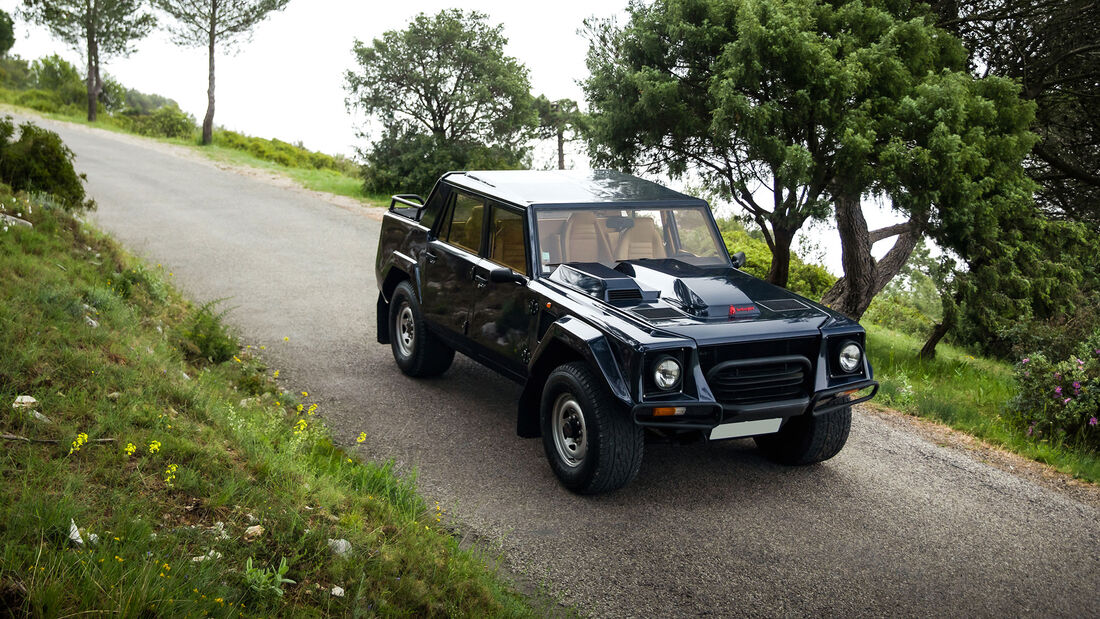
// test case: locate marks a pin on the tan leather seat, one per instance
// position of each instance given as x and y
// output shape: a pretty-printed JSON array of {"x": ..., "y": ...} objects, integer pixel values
[
  {"x": 641, "y": 241},
  {"x": 473, "y": 229},
  {"x": 583, "y": 240},
  {"x": 508, "y": 244}
]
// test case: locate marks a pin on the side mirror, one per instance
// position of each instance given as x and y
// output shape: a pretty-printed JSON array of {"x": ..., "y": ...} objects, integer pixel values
[
  {"x": 503, "y": 275},
  {"x": 738, "y": 259}
]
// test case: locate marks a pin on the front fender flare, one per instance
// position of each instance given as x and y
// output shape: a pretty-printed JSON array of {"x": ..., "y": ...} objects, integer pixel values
[{"x": 568, "y": 339}]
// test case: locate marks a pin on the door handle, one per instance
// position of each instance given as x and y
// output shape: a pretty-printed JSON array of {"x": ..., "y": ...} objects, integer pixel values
[
  {"x": 431, "y": 257},
  {"x": 481, "y": 280}
]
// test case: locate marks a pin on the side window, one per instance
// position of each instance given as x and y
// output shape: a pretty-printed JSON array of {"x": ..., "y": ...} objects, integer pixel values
[
  {"x": 437, "y": 203},
  {"x": 508, "y": 245},
  {"x": 464, "y": 229}
]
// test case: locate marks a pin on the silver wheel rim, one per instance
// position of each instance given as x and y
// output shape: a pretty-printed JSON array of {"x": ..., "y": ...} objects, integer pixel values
[
  {"x": 406, "y": 330},
  {"x": 570, "y": 432}
]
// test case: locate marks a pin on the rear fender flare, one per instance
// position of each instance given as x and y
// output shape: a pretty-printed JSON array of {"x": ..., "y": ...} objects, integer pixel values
[{"x": 402, "y": 268}]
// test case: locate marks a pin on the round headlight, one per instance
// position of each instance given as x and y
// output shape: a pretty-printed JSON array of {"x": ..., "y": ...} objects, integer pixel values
[
  {"x": 850, "y": 357},
  {"x": 666, "y": 373}
]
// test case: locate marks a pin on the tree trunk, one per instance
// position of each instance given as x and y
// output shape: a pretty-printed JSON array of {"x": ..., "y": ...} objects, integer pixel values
[
  {"x": 852, "y": 293},
  {"x": 208, "y": 121},
  {"x": 561, "y": 148},
  {"x": 864, "y": 277},
  {"x": 780, "y": 270},
  {"x": 93, "y": 64},
  {"x": 950, "y": 314}
]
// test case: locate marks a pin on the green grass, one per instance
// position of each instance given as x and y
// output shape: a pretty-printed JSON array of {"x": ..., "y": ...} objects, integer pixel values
[
  {"x": 176, "y": 443},
  {"x": 965, "y": 392}
]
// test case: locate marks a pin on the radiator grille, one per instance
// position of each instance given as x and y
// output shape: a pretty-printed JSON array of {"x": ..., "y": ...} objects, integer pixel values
[{"x": 756, "y": 382}]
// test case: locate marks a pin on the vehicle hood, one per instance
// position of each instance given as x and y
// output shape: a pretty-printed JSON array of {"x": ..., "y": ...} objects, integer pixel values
[{"x": 706, "y": 303}]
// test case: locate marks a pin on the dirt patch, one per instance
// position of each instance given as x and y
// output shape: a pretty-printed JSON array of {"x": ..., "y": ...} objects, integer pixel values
[{"x": 944, "y": 436}]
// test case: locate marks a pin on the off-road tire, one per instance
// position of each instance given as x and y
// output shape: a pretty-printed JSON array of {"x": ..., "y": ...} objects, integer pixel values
[
  {"x": 423, "y": 354},
  {"x": 808, "y": 439},
  {"x": 615, "y": 444}
]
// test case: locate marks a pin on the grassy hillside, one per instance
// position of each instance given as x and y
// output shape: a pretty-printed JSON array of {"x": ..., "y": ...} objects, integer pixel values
[{"x": 192, "y": 482}]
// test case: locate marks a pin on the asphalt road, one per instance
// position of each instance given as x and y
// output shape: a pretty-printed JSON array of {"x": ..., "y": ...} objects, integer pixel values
[{"x": 895, "y": 525}]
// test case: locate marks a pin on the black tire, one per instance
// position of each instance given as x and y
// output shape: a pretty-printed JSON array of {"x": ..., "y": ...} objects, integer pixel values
[
  {"x": 808, "y": 439},
  {"x": 609, "y": 452},
  {"x": 416, "y": 350}
]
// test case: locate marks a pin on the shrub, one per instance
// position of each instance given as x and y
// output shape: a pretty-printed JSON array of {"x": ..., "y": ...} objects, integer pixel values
[
  {"x": 41, "y": 100},
  {"x": 15, "y": 73},
  {"x": 204, "y": 336},
  {"x": 55, "y": 74},
  {"x": 1060, "y": 401},
  {"x": 164, "y": 122},
  {"x": 895, "y": 312},
  {"x": 40, "y": 162},
  {"x": 283, "y": 153}
]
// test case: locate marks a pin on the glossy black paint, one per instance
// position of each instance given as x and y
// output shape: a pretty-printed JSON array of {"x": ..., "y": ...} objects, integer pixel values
[{"x": 524, "y": 324}]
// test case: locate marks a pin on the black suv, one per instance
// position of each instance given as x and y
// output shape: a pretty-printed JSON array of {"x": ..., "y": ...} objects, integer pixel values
[{"x": 613, "y": 301}]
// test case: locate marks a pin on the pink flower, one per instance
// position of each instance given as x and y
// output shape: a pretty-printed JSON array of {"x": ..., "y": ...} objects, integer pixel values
[
  {"x": 1080, "y": 362},
  {"x": 1031, "y": 428},
  {"x": 1058, "y": 390},
  {"x": 1026, "y": 359},
  {"x": 1065, "y": 401},
  {"x": 1092, "y": 421}
]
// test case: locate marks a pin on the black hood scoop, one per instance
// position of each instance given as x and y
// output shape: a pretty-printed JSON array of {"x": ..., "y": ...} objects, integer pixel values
[{"x": 604, "y": 283}]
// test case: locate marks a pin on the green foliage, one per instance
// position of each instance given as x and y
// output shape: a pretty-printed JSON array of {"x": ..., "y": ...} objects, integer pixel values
[
  {"x": 267, "y": 582},
  {"x": 38, "y": 161},
  {"x": 97, "y": 30},
  {"x": 57, "y": 75},
  {"x": 898, "y": 312},
  {"x": 808, "y": 280},
  {"x": 447, "y": 97},
  {"x": 7, "y": 33},
  {"x": 1059, "y": 401},
  {"x": 205, "y": 337},
  {"x": 817, "y": 101},
  {"x": 411, "y": 162},
  {"x": 283, "y": 153},
  {"x": 15, "y": 73},
  {"x": 164, "y": 122},
  {"x": 42, "y": 100}
]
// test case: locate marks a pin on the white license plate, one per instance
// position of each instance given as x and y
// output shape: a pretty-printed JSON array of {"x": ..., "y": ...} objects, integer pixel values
[{"x": 745, "y": 428}]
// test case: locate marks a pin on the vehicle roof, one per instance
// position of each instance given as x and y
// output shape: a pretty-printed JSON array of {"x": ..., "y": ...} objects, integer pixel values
[{"x": 568, "y": 188}]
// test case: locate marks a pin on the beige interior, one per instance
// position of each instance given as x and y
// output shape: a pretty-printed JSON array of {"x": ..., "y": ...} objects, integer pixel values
[
  {"x": 642, "y": 240},
  {"x": 584, "y": 240},
  {"x": 508, "y": 245}
]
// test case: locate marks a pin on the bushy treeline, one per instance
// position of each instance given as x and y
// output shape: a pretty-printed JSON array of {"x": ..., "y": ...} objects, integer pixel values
[
  {"x": 54, "y": 86},
  {"x": 37, "y": 161}
]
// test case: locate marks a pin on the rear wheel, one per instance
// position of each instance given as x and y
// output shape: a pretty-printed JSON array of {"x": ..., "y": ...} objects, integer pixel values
[
  {"x": 808, "y": 439},
  {"x": 592, "y": 446},
  {"x": 417, "y": 351}
]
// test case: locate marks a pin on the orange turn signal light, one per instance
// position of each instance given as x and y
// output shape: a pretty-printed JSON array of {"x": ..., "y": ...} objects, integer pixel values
[
  {"x": 848, "y": 393},
  {"x": 669, "y": 411}
]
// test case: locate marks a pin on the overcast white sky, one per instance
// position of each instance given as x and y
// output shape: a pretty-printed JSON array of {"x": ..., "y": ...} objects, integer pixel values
[{"x": 287, "y": 83}]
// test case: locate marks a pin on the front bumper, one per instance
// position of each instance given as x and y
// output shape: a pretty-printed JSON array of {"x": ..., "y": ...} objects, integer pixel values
[{"x": 708, "y": 415}]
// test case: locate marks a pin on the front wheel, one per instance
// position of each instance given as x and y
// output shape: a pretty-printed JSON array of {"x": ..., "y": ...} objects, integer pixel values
[
  {"x": 592, "y": 446},
  {"x": 416, "y": 350},
  {"x": 808, "y": 439}
]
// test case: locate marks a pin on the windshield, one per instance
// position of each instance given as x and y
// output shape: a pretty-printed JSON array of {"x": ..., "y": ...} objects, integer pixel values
[{"x": 610, "y": 236}]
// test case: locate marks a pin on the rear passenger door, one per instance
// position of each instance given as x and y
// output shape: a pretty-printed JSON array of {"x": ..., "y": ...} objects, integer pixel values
[
  {"x": 501, "y": 322},
  {"x": 448, "y": 288}
]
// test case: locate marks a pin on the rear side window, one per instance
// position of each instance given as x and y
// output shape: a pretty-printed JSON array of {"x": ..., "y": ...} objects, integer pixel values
[{"x": 464, "y": 224}]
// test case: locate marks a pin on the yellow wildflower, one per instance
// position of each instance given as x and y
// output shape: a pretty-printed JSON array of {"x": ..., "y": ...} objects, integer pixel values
[
  {"x": 276, "y": 374},
  {"x": 130, "y": 449},
  {"x": 362, "y": 437},
  {"x": 305, "y": 394},
  {"x": 81, "y": 439},
  {"x": 154, "y": 447}
]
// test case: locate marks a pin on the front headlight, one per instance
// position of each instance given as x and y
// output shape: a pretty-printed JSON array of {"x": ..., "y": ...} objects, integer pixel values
[
  {"x": 666, "y": 373},
  {"x": 850, "y": 357}
]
